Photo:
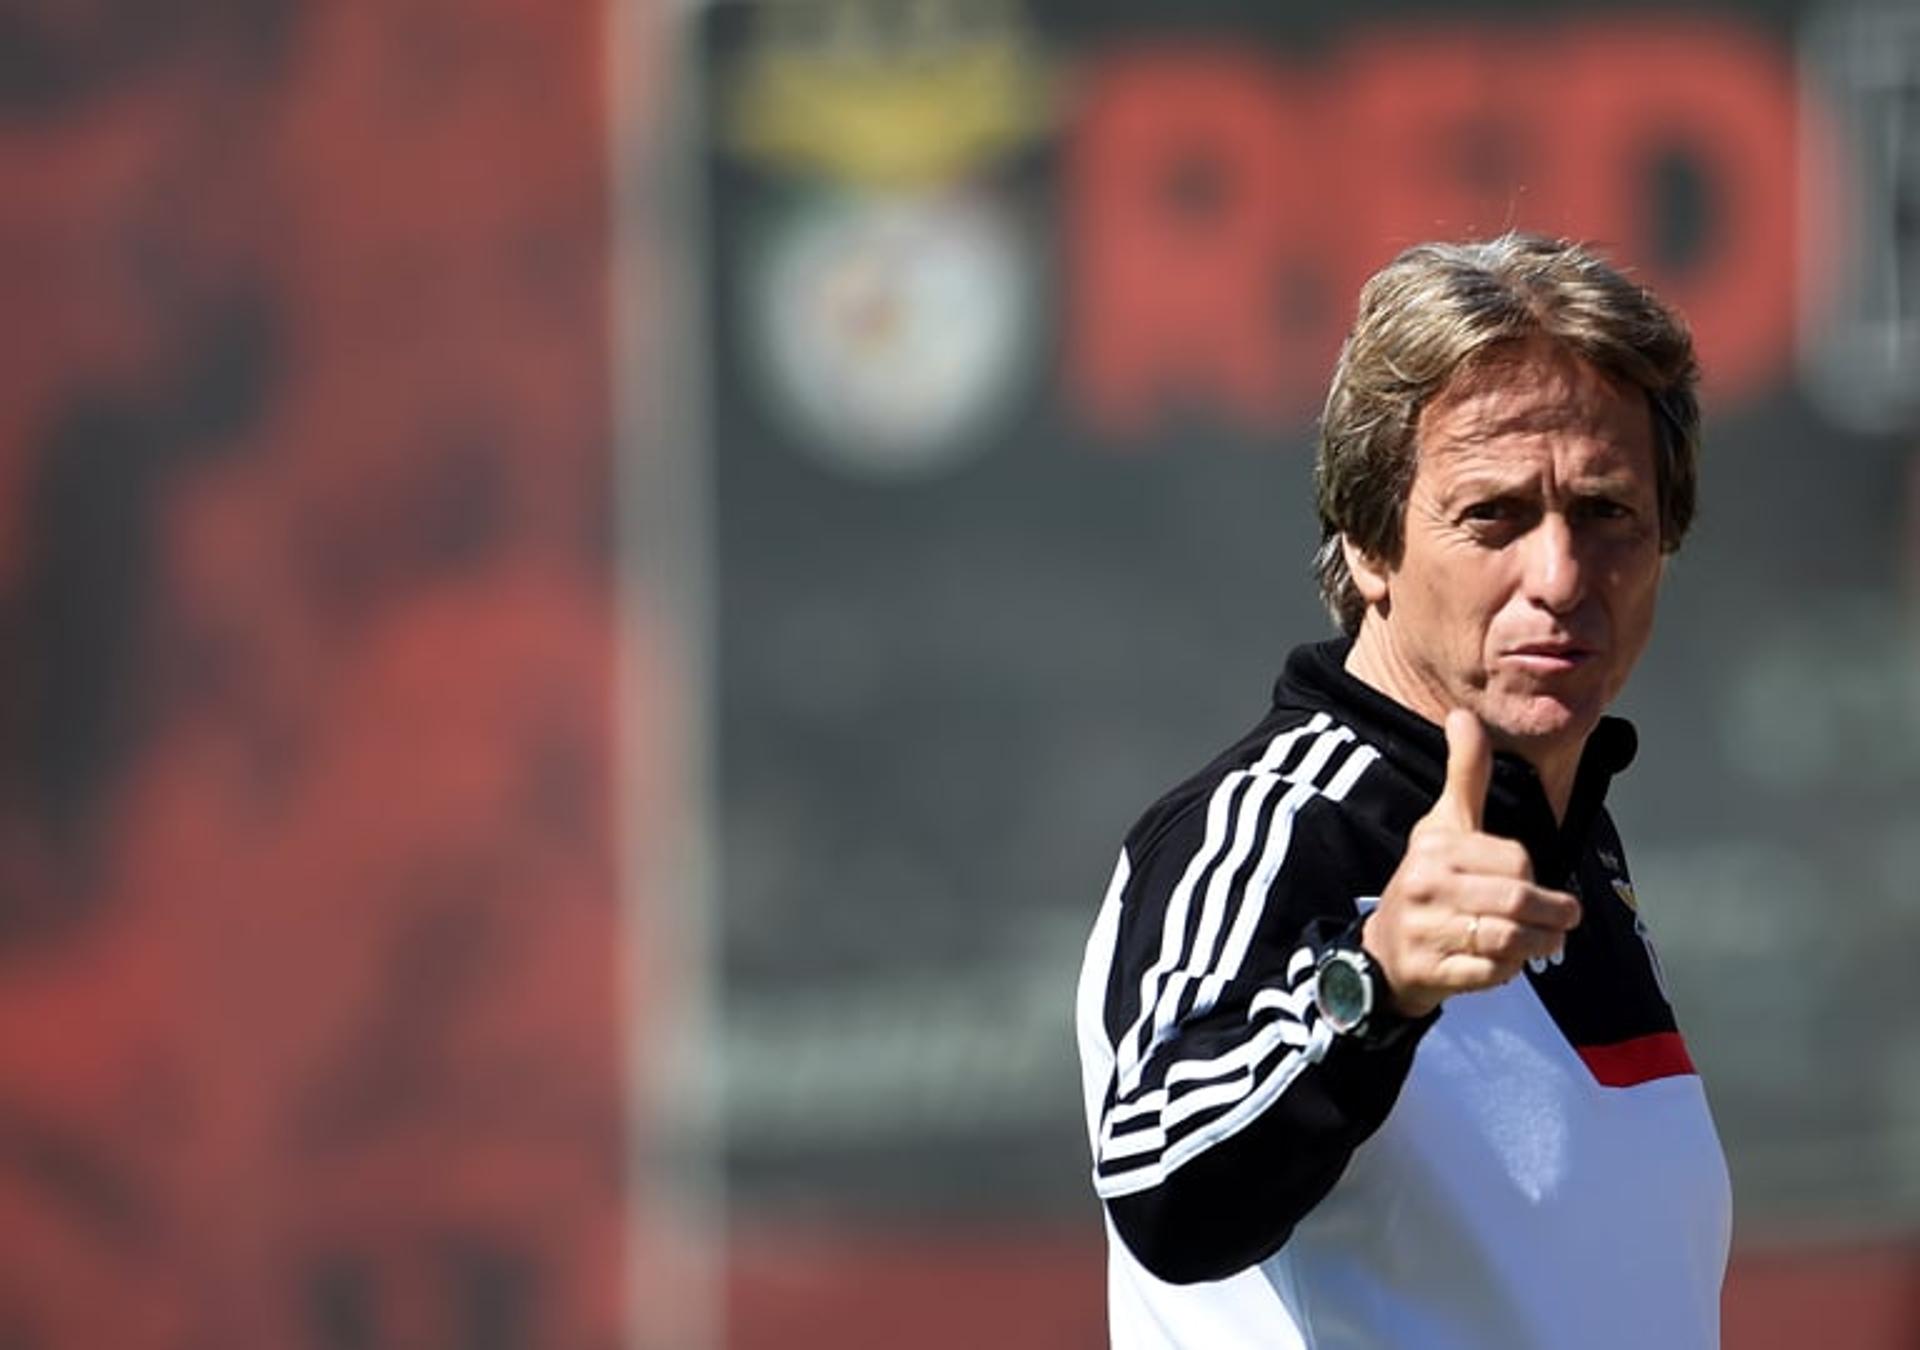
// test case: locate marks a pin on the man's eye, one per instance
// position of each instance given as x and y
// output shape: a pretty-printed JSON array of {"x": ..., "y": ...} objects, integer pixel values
[
  {"x": 1602, "y": 508},
  {"x": 1489, "y": 511}
]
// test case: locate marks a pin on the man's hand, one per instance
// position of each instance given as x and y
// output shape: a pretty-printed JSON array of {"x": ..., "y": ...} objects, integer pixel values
[{"x": 1462, "y": 912}]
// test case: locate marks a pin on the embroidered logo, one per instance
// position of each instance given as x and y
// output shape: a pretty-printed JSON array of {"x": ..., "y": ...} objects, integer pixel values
[{"x": 1624, "y": 889}]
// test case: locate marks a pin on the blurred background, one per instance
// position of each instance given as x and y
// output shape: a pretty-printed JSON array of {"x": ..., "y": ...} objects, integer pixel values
[{"x": 589, "y": 588}]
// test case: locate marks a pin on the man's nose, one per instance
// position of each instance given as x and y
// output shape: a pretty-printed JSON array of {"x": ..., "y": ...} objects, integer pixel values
[{"x": 1555, "y": 577}]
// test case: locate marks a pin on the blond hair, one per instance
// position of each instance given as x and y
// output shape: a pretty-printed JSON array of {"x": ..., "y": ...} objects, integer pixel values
[{"x": 1439, "y": 309}]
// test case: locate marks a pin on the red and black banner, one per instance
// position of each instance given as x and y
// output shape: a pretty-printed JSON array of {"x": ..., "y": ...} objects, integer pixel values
[{"x": 309, "y": 1023}]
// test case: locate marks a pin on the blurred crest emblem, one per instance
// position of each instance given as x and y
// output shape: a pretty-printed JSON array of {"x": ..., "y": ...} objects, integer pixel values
[
  {"x": 1624, "y": 889},
  {"x": 890, "y": 281}
]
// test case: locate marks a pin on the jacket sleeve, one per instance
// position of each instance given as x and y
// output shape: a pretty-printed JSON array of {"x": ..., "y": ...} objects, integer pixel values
[{"x": 1221, "y": 1108}]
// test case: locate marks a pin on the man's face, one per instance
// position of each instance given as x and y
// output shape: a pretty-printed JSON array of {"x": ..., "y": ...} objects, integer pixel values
[{"x": 1525, "y": 591}]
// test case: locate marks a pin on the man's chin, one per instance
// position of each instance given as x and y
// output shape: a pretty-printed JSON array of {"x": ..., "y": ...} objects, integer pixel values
[{"x": 1539, "y": 720}]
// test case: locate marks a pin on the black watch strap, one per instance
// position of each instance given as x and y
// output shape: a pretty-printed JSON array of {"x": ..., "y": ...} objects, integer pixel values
[{"x": 1382, "y": 1025}]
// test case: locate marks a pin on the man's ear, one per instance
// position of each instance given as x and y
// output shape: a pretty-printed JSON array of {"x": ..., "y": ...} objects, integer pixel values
[{"x": 1369, "y": 573}]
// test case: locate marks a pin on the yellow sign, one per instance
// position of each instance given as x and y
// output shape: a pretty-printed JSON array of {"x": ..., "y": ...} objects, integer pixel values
[{"x": 887, "y": 96}]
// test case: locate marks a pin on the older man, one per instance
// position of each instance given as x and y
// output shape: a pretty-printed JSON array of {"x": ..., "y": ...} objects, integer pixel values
[{"x": 1375, "y": 1046}]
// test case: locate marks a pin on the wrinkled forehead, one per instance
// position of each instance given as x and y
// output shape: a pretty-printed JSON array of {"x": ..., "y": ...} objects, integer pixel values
[
  {"x": 1537, "y": 363},
  {"x": 1531, "y": 400}
]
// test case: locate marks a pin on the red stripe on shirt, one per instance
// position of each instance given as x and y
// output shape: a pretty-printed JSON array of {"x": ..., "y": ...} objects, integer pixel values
[{"x": 1624, "y": 1063}]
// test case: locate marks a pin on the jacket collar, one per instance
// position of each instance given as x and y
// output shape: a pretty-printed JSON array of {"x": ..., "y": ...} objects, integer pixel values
[{"x": 1316, "y": 677}]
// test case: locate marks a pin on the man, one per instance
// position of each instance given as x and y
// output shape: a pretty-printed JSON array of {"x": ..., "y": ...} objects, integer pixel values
[{"x": 1375, "y": 1048}]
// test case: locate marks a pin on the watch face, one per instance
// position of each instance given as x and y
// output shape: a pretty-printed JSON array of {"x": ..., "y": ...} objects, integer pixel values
[{"x": 1342, "y": 993}]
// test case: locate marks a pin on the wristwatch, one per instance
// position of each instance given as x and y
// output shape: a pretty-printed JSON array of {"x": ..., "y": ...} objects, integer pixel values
[{"x": 1352, "y": 994}]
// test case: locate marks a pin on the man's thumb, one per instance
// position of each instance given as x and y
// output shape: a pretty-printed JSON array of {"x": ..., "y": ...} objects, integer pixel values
[{"x": 1463, "y": 801}]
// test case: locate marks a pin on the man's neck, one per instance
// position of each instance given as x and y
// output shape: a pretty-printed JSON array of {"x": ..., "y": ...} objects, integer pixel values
[{"x": 1373, "y": 661}]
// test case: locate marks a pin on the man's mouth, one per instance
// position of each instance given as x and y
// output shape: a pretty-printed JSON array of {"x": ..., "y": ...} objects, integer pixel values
[{"x": 1550, "y": 657}]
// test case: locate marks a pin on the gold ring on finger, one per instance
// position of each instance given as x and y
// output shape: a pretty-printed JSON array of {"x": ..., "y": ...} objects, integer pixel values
[{"x": 1473, "y": 935}]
